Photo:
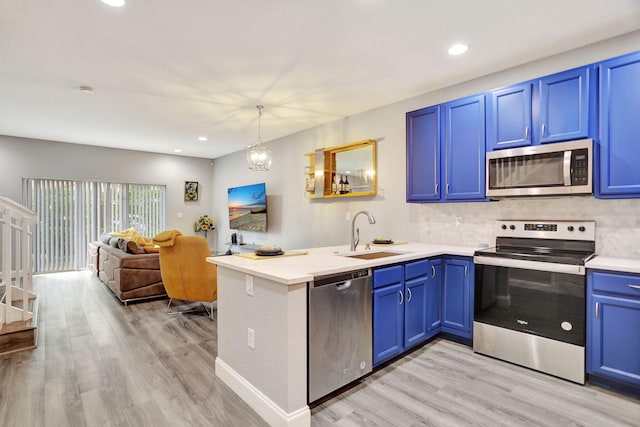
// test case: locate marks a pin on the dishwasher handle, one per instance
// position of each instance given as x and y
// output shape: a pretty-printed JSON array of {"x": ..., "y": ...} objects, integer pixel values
[
  {"x": 341, "y": 279},
  {"x": 343, "y": 286}
]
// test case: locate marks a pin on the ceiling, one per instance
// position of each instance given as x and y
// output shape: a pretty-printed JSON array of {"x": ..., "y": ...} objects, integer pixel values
[{"x": 165, "y": 72}]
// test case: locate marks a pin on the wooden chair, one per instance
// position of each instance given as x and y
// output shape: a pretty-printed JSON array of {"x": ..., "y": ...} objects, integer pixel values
[{"x": 185, "y": 273}]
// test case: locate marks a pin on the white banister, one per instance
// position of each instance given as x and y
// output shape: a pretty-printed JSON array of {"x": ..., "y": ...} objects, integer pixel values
[{"x": 16, "y": 233}]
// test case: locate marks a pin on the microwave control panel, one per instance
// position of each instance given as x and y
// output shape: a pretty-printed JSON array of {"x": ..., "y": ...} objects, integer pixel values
[{"x": 580, "y": 167}]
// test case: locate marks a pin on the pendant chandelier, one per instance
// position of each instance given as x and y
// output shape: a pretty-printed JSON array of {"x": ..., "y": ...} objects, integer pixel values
[{"x": 258, "y": 156}]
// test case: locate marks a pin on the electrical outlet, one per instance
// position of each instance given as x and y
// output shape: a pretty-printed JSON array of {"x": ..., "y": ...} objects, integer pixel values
[
  {"x": 458, "y": 221},
  {"x": 251, "y": 338},
  {"x": 179, "y": 214},
  {"x": 248, "y": 280},
  {"x": 348, "y": 216}
]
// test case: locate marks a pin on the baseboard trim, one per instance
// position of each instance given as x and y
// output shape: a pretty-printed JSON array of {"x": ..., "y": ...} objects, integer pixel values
[{"x": 265, "y": 407}]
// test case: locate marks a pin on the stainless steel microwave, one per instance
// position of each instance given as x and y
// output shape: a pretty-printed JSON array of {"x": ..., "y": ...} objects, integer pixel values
[{"x": 564, "y": 168}]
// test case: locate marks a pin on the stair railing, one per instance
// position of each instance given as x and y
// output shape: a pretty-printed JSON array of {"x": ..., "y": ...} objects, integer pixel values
[{"x": 16, "y": 265}]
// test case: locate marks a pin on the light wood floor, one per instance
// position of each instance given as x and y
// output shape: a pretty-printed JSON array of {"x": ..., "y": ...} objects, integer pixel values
[{"x": 100, "y": 363}]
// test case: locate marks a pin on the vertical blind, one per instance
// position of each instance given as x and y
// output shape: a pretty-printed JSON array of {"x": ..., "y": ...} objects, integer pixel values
[{"x": 73, "y": 213}]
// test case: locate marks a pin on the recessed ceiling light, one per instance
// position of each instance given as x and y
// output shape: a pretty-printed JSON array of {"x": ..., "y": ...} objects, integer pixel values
[
  {"x": 202, "y": 138},
  {"x": 458, "y": 49},
  {"x": 177, "y": 150},
  {"x": 114, "y": 3},
  {"x": 86, "y": 89}
]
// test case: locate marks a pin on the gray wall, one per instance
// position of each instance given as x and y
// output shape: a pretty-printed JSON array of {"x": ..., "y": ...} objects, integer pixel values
[
  {"x": 296, "y": 222},
  {"x": 29, "y": 158}
]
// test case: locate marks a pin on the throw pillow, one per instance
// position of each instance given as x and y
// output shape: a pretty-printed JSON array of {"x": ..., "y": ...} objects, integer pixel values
[
  {"x": 114, "y": 242},
  {"x": 134, "y": 248}
]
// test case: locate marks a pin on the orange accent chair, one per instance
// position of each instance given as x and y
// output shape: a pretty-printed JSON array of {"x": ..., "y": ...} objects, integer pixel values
[{"x": 185, "y": 273}]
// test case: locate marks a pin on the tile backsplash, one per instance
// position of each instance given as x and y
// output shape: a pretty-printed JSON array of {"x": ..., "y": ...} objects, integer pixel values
[{"x": 617, "y": 221}]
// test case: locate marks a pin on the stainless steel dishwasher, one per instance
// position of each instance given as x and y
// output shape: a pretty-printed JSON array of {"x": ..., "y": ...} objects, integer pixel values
[{"x": 339, "y": 331}]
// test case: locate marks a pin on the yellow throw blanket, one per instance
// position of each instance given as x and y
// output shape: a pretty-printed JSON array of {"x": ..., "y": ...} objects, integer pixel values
[
  {"x": 132, "y": 234},
  {"x": 165, "y": 239}
]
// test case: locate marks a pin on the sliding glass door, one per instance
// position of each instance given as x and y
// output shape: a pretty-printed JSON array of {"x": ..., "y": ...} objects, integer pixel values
[{"x": 73, "y": 213}]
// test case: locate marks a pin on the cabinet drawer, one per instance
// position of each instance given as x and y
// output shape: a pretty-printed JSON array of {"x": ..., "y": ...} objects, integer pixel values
[
  {"x": 387, "y": 276},
  {"x": 622, "y": 284},
  {"x": 416, "y": 269}
]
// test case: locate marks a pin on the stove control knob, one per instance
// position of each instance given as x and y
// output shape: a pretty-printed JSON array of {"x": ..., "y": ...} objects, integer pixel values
[
  {"x": 570, "y": 228},
  {"x": 512, "y": 227},
  {"x": 581, "y": 228},
  {"x": 504, "y": 227}
]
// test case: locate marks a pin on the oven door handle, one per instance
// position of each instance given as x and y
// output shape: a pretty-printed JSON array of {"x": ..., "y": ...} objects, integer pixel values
[{"x": 530, "y": 265}]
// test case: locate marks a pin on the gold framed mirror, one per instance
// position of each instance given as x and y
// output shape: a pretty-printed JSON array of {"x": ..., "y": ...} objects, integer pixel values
[{"x": 347, "y": 170}]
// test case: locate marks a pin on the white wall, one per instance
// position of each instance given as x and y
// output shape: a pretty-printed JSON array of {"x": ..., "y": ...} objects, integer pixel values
[
  {"x": 29, "y": 158},
  {"x": 296, "y": 222}
]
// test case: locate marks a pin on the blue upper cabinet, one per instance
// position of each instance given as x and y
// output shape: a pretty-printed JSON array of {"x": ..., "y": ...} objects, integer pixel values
[
  {"x": 446, "y": 151},
  {"x": 619, "y": 84},
  {"x": 423, "y": 155},
  {"x": 509, "y": 117},
  {"x": 561, "y": 108},
  {"x": 565, "y": 105},
  {"x": 464, "y": 149}
]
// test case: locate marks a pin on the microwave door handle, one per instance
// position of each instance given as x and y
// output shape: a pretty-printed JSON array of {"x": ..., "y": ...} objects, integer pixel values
[{"x": 567, "y": 168}]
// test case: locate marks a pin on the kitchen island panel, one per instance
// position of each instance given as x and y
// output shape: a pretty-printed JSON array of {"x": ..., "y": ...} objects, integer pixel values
[{"x": 272, "y": 377}]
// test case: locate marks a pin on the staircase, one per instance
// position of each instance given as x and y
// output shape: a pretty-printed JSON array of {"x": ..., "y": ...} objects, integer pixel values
[{"x": 18, "y": 303}]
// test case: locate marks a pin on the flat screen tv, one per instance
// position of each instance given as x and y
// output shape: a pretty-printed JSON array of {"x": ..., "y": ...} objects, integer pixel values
[{"x": 248, "y": 207}]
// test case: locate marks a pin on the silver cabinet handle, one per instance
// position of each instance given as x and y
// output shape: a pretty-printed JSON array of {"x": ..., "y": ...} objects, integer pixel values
[
  {"x": 436, "y": 188},
  {"x": 542, "y": 130},
  {"x": 635, "y": 287},
  {"x": 466, "y": 270},
  {"x": 597, "y": 307},
  {"x": 526, "y": 133},
  {"x": 409, "y": 295},
  {"x": 401, "y": 297},
  {"x": 433, "y": 272},
  {"x": 447, "y": 190}
]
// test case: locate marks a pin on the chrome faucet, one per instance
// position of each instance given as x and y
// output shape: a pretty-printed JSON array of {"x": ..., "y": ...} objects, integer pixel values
[{"x": 355, "y": 236}]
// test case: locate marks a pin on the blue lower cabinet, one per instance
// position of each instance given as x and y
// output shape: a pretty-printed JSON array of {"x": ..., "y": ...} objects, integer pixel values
[
  {"x": 388, "y": 322},
  {"x": 416, "y": 324},
  {"x": 613, "y": 328},
  {"x": 403, "y": 314},
  {"x": 457, "y": 295},
  {"x": 434, "y": 297}
]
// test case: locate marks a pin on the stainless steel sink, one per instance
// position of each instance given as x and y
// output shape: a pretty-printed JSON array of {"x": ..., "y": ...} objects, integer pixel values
[{"x": 373, "y": 255}]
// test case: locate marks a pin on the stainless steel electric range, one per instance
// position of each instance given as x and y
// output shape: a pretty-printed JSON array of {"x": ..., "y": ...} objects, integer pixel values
[{"x": 530, "y": 295}]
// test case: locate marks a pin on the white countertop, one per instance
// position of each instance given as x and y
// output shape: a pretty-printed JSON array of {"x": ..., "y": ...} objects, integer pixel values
[
  {"x": 628, "y": 265},
  {"x": 290, "y": 270}
]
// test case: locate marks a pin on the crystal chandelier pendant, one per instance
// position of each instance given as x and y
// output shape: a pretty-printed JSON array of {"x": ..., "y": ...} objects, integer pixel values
[{"x": 258, "y": 156}]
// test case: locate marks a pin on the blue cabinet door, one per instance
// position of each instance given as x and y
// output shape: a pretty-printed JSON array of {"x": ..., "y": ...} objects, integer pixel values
[
  {"x": 434, "y": 297},
  {"x": 509, "y": 117},
  {"x": 619, "y": 84},
  {"x": 457, "y": 314},
  {"x": 416, "y": 324},
  {"x": 388, "y": 322},
  {"x": 564, "y": 102},
  {"x": 423, "y": 155},
  {"x": 464, "y": 149},
  {"x": 613, "y": 340}
]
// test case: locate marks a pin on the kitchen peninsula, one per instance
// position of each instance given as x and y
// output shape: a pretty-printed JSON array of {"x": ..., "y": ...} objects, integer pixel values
[{"x": 262, "y": 322}]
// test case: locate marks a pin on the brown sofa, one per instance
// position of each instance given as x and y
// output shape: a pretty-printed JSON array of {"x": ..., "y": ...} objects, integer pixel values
[{"x": 130, "y": 277}]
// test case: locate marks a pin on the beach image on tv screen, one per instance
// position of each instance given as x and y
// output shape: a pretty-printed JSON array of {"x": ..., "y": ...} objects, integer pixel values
[{"x": 248, "y": 208}]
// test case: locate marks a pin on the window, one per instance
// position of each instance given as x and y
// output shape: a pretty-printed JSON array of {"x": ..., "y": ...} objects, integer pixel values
[{"x": 73, "y": 213}]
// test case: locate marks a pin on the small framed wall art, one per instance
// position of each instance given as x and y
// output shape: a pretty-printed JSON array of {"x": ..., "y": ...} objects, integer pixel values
[{"x": 190, "y": 191}]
